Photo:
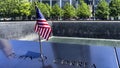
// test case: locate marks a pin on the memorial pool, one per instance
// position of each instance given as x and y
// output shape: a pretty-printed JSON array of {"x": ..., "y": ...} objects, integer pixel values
[{"x": 63, "y": 52}]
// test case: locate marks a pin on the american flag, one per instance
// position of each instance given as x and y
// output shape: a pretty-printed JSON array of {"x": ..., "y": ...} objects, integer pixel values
[{"x": 41, "y": 26}]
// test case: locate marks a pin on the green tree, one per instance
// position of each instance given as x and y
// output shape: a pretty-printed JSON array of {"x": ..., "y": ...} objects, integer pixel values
[
  {"x": 57, "y": 12},
  {"x": 32, "y": 11},
  {"x": 69, "y": 11},
  {"x": 115, "y": 8},
  {"x": 2, "y": 8},
  {"x": 49, "y": 9},
  {"x": 25, "y": 9},
  {"x": 8, "y": 8},
  {"x": 14, "y": 8},
  {"x": 44, "y": 10},
  {"x": 102, "y": 10},
  {"x": 83, "y": 10}
]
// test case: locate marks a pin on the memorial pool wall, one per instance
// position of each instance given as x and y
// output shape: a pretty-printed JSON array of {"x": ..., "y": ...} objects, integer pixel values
[{"x": 82, "y": 29}]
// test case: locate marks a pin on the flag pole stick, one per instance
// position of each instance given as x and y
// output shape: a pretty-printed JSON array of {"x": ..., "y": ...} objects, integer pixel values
[
  {"x": 117, "y": 57},
  {"x": 41, "y": 55}
]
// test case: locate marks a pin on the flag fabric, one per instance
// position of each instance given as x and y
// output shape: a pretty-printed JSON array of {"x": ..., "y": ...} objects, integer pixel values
[{"x": 41, "y": 26}]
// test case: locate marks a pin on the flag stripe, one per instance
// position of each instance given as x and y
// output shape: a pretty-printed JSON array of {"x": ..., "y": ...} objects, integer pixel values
[
  {"x": 45, "y": 32},
  {"x": 41, "y": 21},
  {"x": 48, "y": 32},
  {"x": 36, "y": 26},
  {"x": 40, "y": 31},
  {"x": 42, "y": 34}
]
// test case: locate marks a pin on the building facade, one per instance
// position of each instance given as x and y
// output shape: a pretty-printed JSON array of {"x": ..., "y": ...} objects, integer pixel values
[{"x": 72, "y": 2}]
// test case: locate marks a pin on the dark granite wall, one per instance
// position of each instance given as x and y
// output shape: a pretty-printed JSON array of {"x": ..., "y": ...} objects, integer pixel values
[{"x": 88, "y": 29}]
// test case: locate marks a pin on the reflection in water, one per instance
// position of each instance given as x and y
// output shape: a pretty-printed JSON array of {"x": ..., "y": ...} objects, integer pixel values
[
  {"x": 46, "y": 66},
  {"x": 43, "y": 59},
  {"x": 72, "y": 55},
  {"x": 7, "y": 48}
]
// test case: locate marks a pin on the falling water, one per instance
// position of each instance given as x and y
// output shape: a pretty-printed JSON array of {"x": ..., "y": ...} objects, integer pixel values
[{"x": 16, "y": 29}]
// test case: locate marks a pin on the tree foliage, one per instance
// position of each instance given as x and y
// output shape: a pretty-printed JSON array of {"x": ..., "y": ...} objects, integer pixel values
[
  {"x": 32, "y": 9},
  {"x": 49, "y": 9},
  {"x": 83, "y": 10},
  {"x": 8, "y": 8},
  {"x": 43, "y": 8},
  {"x": 102, "y": 10},
  {"x": 57, "y": 12},
  {"x": 14, "y": 8},
  {"x": 25, "y": 8},
  {"x": 69, "y": 11},
  {"x": 114, "y": 8}
]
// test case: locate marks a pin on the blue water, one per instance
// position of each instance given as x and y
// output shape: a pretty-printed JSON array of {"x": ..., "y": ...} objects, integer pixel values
[{"x": 86, "y": 55}]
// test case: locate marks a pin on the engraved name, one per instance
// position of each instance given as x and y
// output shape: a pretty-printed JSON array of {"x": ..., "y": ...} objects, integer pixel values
[{"x": 78, "y": 63}]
